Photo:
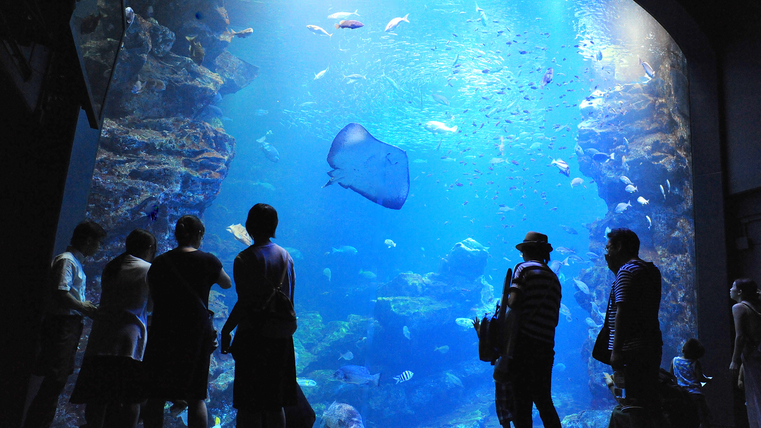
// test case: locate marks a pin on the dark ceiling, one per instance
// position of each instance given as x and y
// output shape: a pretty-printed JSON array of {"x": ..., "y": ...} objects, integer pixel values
[{"x": 726, "y": 21}]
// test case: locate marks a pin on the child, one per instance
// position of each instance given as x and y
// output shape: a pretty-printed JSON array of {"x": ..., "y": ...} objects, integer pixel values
[{"x": 689, "y": 375}]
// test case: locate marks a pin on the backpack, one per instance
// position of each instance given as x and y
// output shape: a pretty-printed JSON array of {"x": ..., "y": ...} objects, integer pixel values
[
  {"x": 276, "y": 314},
  {"x": 495, "y": 330}
]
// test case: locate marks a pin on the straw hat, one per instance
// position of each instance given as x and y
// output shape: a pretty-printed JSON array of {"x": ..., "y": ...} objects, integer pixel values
[{"x": 535, "y": 239}]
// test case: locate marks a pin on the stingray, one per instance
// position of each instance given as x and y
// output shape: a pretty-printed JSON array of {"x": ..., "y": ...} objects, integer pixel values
[{"x": 372, "y": 168}]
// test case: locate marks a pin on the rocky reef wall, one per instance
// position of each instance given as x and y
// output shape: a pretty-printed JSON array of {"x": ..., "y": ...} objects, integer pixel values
[
  {"x": 163, "y": 149},
  {"x": 634, "y": 141}
]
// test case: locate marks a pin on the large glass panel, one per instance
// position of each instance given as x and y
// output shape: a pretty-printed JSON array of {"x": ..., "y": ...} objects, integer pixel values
[{"x": 564, "y": 117}]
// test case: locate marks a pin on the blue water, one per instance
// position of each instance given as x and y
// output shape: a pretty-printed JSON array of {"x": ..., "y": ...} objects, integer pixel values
[{"x": 457, "y": 188}]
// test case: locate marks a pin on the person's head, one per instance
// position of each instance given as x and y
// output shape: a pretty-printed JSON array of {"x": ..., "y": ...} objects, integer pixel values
[
  {"x": 87, "y": 237},
  {"x": 189, "y": 231},
  {"x": 535, "y": 247},
  {"x": 693, "y": 349},
  {"x": 622, "y": 246},
  {"x": 142, "y": 244},
  {"x": 743, "y": 289},
  {"x": 261, "y": 222}
]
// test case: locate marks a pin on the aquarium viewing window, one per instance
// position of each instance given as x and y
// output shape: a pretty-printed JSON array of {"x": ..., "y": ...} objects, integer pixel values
[{"x": 569, "y": 118}]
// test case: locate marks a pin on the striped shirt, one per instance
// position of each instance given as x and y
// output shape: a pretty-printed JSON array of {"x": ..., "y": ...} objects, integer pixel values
[
  {"x": 540, "y": 299},
  {"x": 638, "y": 284}
]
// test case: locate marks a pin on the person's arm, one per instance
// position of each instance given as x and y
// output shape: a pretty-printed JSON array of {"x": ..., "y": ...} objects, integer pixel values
[
  {"x": 232, "y": 322},
  {"x": 619, "y": 336},
  {"x": 224, "y": 280},
  {"x": 66, "y": 300},
  {"x": 738, "y": 313},
  {"x": 699, "y": 373}
]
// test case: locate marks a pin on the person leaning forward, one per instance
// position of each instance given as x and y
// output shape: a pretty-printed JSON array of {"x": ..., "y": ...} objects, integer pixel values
[{"x": 62, "y": 325}]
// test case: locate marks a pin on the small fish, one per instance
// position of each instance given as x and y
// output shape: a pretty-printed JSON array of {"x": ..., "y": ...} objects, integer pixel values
[
  {"x": 547, "y": 78},
  {"x": 217, "y": 423},
  {"x": 567, "y": 312},
  {"x": 624, "y": 179},
  {"x": 406, "y": 332},
  {"x": 367, "y": 274},
  {"x": 318, "y": 30},
  {"x": 350, "y": 24},
  {"x": 342, "y": 15},
  {"x": 305, "y": 382},
  {"x": 240, "y": 233},
  {"x": 663, "y": 192},
  {"x": 440, "y": 99},
  {"x": 577, "y": 182},
  {"x": 261, "y": 112},
  {"x": 242, "y": 33},
  {"x": 390, "y": 243},
  {"x": 649, "y": 222},
  {"x": 152, "y": 211},
  {"x": 321, "y": 74},
  {"x": 395, "y": 22},
  {"x": 643, "y": 201},
  {"x": 582, "y": 286},
  {"x": 270, "y": 152},
  {"x": 464, "y": 322},
  {"x": 603, "y": 157},
  {"x": 598, "y": 56},
  {"x": 648, "y": 69},
  {"x": 439, "y": 128},
  {"x": 358, "y": 375},
  {"x": 668, "y": 184},
  {"x": 569, "y": 230},
  {"x": 630, "y": 188},
  {"x": 404, "y": 377},
  {"x": 327, "y": 273},
  {"x": 441, "y": 349},
  {"x": 348, "y": 356},
  {"x": 452, "y": 379},
  {"x": 558, "y": 368},
  {"x": 138, "y": 87},
  {"x": 622, "y": 207},
  {"x": 129, "y": 13},
  {"x": 456, "y": 58},
  {"x": 195, "y": 50},
  {"x": 562, "y": 166},
  {"x": 345, "y": 249}
]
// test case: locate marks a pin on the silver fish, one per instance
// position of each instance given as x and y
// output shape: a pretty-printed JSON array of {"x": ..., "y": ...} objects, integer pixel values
[{"x": 622, "y": 207}]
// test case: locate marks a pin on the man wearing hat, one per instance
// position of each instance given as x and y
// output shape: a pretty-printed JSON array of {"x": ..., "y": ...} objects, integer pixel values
[{"x": 535, "y": 292}]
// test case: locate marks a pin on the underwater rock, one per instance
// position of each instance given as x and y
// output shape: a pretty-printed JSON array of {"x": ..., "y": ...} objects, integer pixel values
[
  {"x": 235, "y": 73},
  {"x": 588, "y": 419},
  {"x": 467, "y": 258},
  {"x": 646, "y": 126},
  {"x": 175, "y": 165}
]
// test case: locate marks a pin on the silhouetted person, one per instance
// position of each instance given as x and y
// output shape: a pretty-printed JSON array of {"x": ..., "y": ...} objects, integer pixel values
[
  {"x": 747, "y": 316},
  {"x": 62, "y": 324},
  {"x": 689, "y": 375},
  {"x": 265, "y": 367},
  {"x": 635, "y": 338},
  {"x": 110, "y": 381},
  {"x": 536, "y": 293},
  {"x": 178, "y": 351}
]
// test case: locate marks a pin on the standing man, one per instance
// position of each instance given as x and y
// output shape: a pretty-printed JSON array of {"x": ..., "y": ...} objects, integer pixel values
[
  {"x": 635, "y": 338},
  {"x": 535, "y": 292},
  {"x": 62, "y": 324}
]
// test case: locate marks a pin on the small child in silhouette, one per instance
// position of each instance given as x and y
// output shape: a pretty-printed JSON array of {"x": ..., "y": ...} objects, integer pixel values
[{"x": 689, "y": 375}]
